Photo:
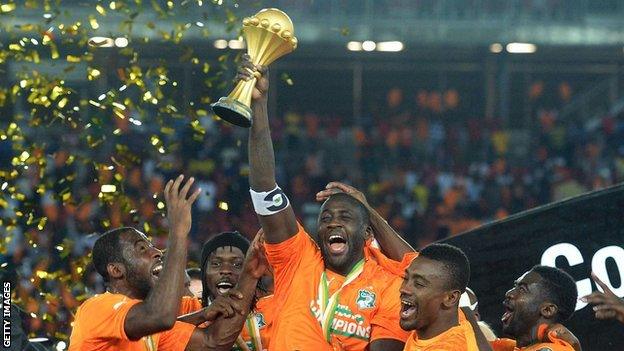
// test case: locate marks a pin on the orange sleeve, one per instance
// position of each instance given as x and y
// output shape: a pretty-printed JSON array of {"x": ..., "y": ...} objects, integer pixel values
[
  {"x": 176, "y": 338},
  {"x": 395, "y": 267},
  {"x": 286, "y": 257},
  {"x": 189, "y": 304},
  {"x": 385, "y": 323},
  {"x": 407, "y": 259},
  {"x": 105, "y": 317}
]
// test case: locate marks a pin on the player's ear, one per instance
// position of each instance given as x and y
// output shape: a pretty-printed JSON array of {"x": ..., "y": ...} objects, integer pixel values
[
  {"x": 548, "y": 310},
  {"x": 116, "y": 270},
  {"x": 451, "y": 300}
]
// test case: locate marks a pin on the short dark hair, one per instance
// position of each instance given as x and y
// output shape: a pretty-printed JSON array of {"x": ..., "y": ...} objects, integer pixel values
[
  {"x": 455, "y": 262},
  {"x": 560, "y": 289},
  {"x": 194, "y": 273},
  {"x": 107, "y": 249},
  {"x": 355, "y": 202}
]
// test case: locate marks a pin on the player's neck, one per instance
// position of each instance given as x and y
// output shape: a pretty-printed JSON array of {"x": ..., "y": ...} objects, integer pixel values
[
  {"x": 530, "y": 336},
  {"x": 346, "y": 268},
  {"x": 120, "y": 288},
  {"x": 445, "y": 321}
]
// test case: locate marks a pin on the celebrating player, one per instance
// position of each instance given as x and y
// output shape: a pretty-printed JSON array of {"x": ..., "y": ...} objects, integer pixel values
[
  {"x": 331, "y": 296},
  {"x": 222, "y": 265},
  {"x": 540, "y": 299},
  {"x": 139, "y": 309},
  {"x": 430, "y": 293}
]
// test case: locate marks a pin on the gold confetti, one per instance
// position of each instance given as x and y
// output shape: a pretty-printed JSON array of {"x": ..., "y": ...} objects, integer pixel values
[
  {"x": 145, "y": 92},
  {"x": 108, "y": 188},
  {"x": 24, "y": 156},
  {"x": 101, "y": 10},
  {"x": 42, "y": 274},
  {"x": 4, "y": 8},
  {"x": 93, "y": 73},
  {"x": 93, "y": 22},
  {"x": 73, "y": 59}
]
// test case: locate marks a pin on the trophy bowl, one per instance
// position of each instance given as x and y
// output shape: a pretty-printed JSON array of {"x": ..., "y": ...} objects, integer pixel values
[{"x": 269, "y": 35}]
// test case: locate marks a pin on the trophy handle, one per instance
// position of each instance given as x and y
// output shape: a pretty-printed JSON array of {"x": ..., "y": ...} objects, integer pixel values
[{"x": 235, "y": 107}]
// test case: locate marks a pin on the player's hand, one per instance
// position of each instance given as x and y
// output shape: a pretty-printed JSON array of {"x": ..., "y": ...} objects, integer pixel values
[
  {"x": 562, "y": 333},
  {"x": 606, "y": 304},
  {"x": 338, "y": 187},
  {"x": 247, "y": 70},
  {"x": 226, "y": 306},
  {"x": 256, "y": 263},
  {"x": 179, "y": 205}
]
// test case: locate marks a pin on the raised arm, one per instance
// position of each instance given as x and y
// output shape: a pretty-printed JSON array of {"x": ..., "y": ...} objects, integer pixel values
[
  {"x": 229, "y": 317},
  {"x": 482, "y": 343},
  {"x": 279, "y": 220},
  {"x": 392, "y": 244},
  {"x": 159, "y": 310}
]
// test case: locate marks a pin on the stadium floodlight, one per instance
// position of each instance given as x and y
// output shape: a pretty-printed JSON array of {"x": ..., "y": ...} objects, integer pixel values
[
  {"x": 121, "y": 42},
  {"x": 496, "y": 48},
  {"x": 101, "y": 42},
  {"x": 390, "y": 46},
  {"x": 521, "y": 48},
  {"x": 221, "y": 44},
  {"x": 369, "y": 45},
  {"x": 354, "y": 46}
]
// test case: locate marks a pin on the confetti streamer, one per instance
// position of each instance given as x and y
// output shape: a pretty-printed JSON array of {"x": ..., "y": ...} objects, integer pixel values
[{"x": 79, "y": 125}]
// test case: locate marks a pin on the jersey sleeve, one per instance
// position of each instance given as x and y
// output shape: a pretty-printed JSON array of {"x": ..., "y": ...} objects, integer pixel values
[
  {"x": 176, "y": 338},
  {"x": 288, "y": 256},
  {"x": 105, "y": 317},
  {"x": 395, "y": 267},
  {"x": 503, "y": 345},
  {"x": 385, "y": 323}
]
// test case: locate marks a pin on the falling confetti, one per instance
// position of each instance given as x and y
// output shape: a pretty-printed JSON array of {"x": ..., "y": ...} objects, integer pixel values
[{"x": 84, "y": 124}]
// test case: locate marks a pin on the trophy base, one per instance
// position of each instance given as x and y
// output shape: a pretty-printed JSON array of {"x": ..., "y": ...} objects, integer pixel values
[{"x": 232, "y": 111}]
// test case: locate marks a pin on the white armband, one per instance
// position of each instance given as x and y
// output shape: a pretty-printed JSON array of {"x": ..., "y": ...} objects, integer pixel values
[{"x": 267, "y": 203}]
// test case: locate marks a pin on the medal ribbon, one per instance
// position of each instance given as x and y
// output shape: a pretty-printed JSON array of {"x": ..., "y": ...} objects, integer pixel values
[
  {"x": 242, "y": 344},
  {"x": 329, "y": 304},
  {"x": 254, "y": 331}
]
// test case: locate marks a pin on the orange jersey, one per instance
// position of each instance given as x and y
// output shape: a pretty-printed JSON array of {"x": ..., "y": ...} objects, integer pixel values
[
  {"x": 189, "y": 304},
  {"x": 367, "y": 309},
  {"x": 262, "y": 316},
  {"x": 99, "y": 325},
  {"x": 554, "y": 344},
  {"x": 458, "y": 338}
]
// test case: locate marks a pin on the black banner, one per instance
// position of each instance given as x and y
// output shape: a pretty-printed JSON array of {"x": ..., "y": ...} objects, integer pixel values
[{"x": 578, "y": 235}]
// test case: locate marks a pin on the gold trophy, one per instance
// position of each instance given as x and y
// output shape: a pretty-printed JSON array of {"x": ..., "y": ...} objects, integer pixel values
[{"x": 269, "y": 35}]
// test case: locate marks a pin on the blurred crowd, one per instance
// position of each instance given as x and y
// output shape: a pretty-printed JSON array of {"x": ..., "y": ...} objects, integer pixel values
[
  {"x": 429, "y": 168},
  {"x": 450, "y": 9}
]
